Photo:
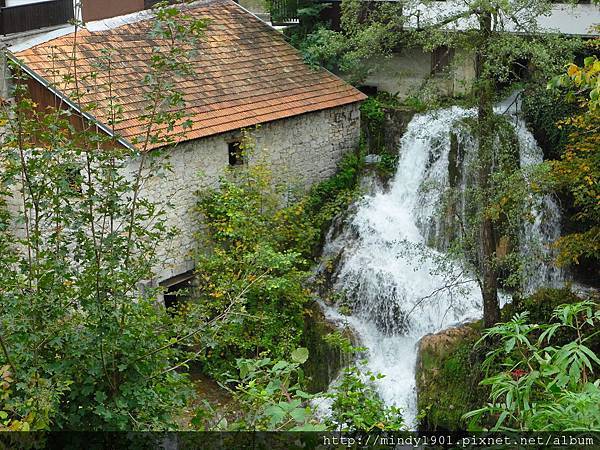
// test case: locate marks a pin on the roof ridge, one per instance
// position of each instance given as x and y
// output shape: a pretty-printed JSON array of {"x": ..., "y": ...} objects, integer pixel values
[
  {"x": 247, "y": 73},
  {"x": 101, "y": 25}
]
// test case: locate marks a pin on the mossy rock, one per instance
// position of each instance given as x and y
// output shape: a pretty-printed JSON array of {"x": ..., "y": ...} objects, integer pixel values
[
  {"x": 448, "y": 377},
  {"x": 325, "y": 360}
]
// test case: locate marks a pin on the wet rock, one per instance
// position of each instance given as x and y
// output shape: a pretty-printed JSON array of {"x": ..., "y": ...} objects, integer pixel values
[
  {"x": 325, "y": 360},
  {"x": 396, "y": 121}
]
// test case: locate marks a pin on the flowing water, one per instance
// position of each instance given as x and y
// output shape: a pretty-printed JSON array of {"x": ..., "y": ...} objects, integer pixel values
[{"x": 391, "y": 263}]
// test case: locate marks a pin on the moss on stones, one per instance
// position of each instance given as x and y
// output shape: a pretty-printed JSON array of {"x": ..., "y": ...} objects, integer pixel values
[
  {"x": 448, "y": 377},
  {"x": 325, "y": 359}
]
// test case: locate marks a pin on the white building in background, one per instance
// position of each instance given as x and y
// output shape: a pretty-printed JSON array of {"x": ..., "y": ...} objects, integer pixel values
[{"x": 407, "y": 71}]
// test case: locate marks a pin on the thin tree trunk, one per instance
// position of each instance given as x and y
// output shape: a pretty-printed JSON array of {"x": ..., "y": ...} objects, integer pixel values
[{"x": 485, "y": 118}]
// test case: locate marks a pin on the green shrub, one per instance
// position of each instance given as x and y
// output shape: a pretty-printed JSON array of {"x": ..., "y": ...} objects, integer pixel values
[
  {"x": 333, "y": 196},
  {"x": 358, "y": 407},
  {"x": 544, "y": 385},
  {"x": 543, "y": 109},
  {"x": 268, "y": 396},
  {"x": 257, "y": 265},
  {"x": 540, "y": 308},
  {"x": 541, "y": 304},
  {"x": 373, "y": 119},
  {"x": 253, "y": 271}
]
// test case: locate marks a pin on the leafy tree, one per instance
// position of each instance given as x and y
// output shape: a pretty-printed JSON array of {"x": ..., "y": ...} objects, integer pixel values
[
  {"x": 368, "y": 28},
  {"x": 496, "y": 52},
  {"x": 84, "y": 342},
  {"x": 578, "y": 170}
]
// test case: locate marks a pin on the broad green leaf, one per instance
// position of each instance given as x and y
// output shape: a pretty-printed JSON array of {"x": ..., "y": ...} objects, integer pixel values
[
  {"x": 275, "y": 413},
  {"x": 299, "y": 414},
  {"x": 300, "y": 355}
]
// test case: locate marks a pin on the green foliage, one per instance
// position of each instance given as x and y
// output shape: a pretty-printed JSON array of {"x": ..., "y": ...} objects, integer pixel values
[
  {"x": 323, "y": 47},
  {"x": 542, "y": 110},
  {"x": 268, "y": 396},
  {"x": 372, "y": 111},
  {"x": 259, "y": 260},
  {"x": 541, "y": 304},
  {"x": 544, "y": 386},
  {"x": 373, "y": 119},
  {"x": 577, "y": 172},
  {"x": 357, "y": 406},
  {"x": 585, "y": 78},
  {"x": 332, "y": 197},
  {"x": 339, "y": 340},
  {"x": 36, "y": 413},
  {"x": 506, "y": 201},
  {"x": 87, "y": 347},
  {"x": 367, "y": 30},
  {"x": 310, "y": 18},
  {"x": 251, "y": 274}
]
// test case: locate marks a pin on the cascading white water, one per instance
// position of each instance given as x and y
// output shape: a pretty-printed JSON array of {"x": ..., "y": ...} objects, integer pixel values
[
  {"x": 400, "y": 287},
  {"x": 544, "y": 228}
]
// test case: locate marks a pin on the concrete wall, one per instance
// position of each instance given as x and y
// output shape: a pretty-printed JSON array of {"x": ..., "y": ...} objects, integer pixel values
[
  {"x": 406, "y": 73},
  {"x": 301, "y": 150}
]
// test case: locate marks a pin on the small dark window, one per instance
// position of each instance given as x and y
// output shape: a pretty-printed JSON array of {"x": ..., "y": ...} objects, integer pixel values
[
  {"x": 236, "y": 155},
  {"x": 177, "y": 290},
  {"x": 441, "y": 59},
  {"x": 368, "y": 90}
]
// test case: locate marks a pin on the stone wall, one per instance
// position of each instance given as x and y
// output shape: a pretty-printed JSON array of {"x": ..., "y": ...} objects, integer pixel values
[
  {"x": 301, "y": 150},
  {"x": 406, "y": 73}
]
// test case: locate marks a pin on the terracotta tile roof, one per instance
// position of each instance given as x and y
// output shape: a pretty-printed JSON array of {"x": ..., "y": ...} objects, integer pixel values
[{"x": 244, "y": 73}]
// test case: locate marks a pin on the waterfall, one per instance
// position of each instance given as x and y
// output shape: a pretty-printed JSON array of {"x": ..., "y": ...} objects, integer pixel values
[
  {"x": 392, "y": 268},
  {"x": 538, "y": 234}
]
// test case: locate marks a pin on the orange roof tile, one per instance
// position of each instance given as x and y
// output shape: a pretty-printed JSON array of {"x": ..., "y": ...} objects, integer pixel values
[{"x": 243, "y": 73}]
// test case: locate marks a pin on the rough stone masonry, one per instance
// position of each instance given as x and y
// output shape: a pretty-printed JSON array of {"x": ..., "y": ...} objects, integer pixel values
[{"x": 300, "y": 150}]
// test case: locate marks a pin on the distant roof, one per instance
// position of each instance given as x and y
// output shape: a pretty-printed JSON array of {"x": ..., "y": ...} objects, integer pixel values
[{"x": 245, "y": 73}]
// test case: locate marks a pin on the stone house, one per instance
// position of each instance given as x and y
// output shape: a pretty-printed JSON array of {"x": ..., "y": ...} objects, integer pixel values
[{"x": 244, "y": 74}]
